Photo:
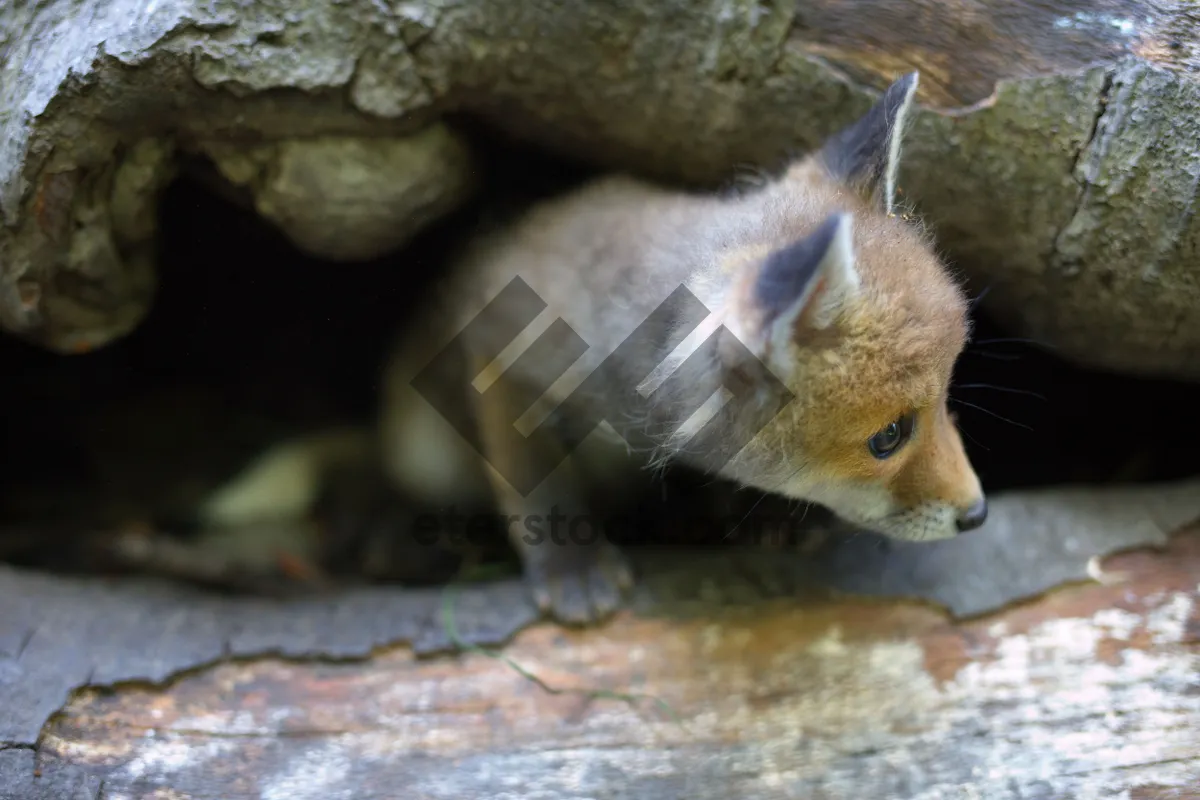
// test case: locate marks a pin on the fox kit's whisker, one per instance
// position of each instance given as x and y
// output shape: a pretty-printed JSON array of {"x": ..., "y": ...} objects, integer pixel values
[
  {"x": 993, "y": 387},
  {"x": 977, "y": 299},
  {"x": 1013, "y": 340},
  {"x": 992, "y": 355},
  {"x": 967, "y": 434},
  {"x": 991, "y": 413},
  {"x": 779, "y": 485},
  {"x": 745, "y": 517}
]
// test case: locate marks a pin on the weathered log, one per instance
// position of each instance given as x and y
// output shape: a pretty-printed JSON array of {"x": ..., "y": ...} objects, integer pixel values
[
  {"x": 1056, "y": 153},
  {"x": 852, "y": 671},
  {"x": 1055, "y": 156},
  {"x": 1090, "y": 691}
]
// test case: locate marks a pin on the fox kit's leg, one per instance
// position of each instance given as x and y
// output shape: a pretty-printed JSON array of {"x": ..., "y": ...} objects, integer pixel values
[{"x": 570, "y": 567}]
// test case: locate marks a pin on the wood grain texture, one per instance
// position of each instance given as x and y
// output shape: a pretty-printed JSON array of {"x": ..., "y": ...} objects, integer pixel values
[
  {"x": 59, "y": 634},
  {"x": 1054, "y": 152},
  {"x": 782, "y": 677},
  {"x": 1089, "y": 691}
]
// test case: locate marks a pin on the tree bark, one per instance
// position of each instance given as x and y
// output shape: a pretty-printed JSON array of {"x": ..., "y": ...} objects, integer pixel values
[
  {"x": 1055, "y": 153},
  {"x": 855, "y": 670},
  {"x": 1089, "y": 691}
]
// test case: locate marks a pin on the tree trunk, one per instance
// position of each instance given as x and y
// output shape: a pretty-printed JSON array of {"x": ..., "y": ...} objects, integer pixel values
[
  {"x": 1055, "y": 154},
  {"x": 853, "y": 671},
  {"x": 1089, "y": 691}
]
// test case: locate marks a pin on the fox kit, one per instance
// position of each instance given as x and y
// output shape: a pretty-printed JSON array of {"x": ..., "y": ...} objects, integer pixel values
[{"x": 841, "y": 300}]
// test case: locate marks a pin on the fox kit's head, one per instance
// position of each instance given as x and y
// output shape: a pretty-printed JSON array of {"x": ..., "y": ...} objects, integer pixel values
[{"x": 851, "y": 308}]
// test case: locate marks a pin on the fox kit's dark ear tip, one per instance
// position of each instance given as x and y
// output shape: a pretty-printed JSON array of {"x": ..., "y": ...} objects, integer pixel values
[
  {"x": 823, "y": 237},
  {"x": 902, "y": 93},
  {"x": 865, "y": 154},
  {"x": 897, "y": 96},
  {"x": 790, "y": 272},
  {"x": 907, "y": 84}
]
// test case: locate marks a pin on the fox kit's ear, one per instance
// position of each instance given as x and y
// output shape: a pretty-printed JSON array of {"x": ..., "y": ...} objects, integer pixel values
[
  {"x": 866, "y": 155},
  {"x": 808, "y": 282}
]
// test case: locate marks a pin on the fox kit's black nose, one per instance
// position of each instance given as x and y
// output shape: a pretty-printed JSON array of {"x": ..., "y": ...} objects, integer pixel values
[{"x": 971, "y": 518}]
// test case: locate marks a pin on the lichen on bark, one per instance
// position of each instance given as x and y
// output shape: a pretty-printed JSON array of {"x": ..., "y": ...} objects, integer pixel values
[{"x": 1055, "y": 153}]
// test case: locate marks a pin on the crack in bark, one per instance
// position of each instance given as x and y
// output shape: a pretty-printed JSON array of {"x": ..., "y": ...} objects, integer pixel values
[
  {"x": 431, "y": 59},
  {"x": 1101, "y": 108},
  {"x": 26, "y": 638},
  {"x": 1059, "y": 262}
]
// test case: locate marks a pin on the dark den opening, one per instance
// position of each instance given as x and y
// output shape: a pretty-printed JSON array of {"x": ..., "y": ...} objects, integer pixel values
[{"x": 250, "y": 341}]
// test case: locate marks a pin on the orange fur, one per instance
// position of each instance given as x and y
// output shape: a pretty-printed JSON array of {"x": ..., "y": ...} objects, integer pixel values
[
  {"x": 814, "y": 272},
  {"x": 891, "y": 350}
]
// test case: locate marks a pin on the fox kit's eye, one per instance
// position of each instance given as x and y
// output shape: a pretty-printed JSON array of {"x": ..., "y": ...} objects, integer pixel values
[{"x": 890, "y": 439}]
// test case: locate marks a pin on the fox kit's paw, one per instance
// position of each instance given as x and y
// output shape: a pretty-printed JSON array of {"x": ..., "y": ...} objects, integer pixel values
[{"x": 577, "y": 583}]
